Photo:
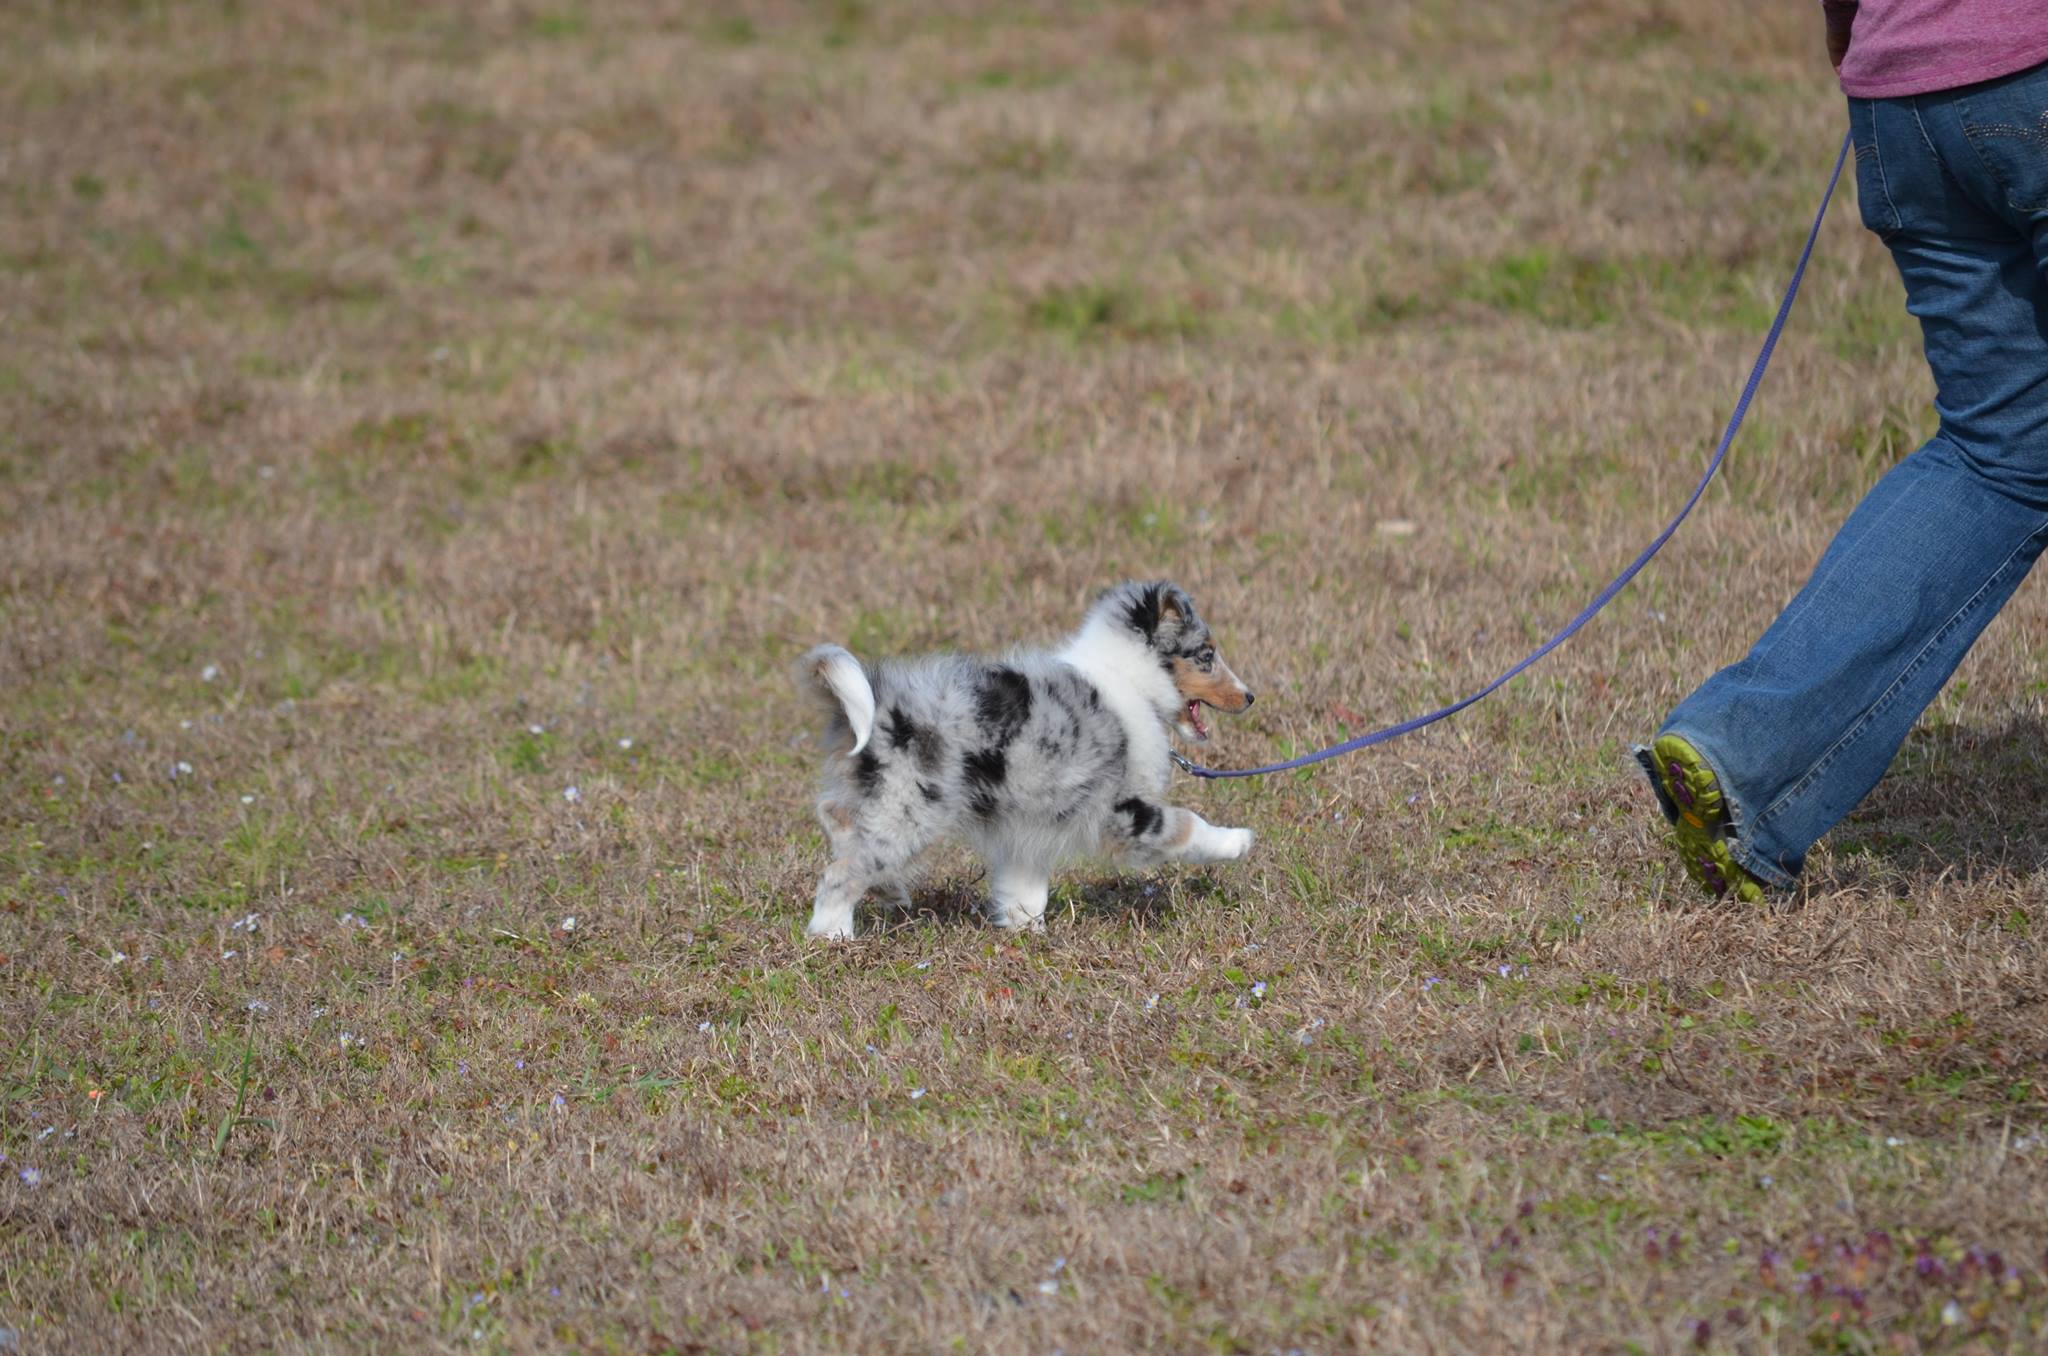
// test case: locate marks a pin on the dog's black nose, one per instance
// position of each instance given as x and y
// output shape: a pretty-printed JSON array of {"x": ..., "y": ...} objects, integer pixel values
[{"x": 1249, "y": 698}]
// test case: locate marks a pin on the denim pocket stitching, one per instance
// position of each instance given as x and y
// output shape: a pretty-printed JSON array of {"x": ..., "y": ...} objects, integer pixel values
[{"x": 1977, "y": 133}]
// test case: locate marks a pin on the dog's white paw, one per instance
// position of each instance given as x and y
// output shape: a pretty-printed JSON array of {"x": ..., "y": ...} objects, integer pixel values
[
  {"x": 830, "y": 929},
  {"x": 1234, "y": 844},
  {"x": 1016, "y": 920}
]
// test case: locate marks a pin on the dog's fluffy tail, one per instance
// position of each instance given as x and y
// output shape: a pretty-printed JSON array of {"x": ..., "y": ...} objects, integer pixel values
[{"x": 836, "y": 678}]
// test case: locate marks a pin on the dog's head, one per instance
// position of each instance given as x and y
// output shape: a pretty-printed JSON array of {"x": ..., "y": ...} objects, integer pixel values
[{"x": 1162, "y": 617}]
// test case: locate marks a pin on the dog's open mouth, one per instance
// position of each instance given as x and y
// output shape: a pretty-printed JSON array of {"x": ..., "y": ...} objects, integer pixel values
[{"x": 1194, "y": 722}]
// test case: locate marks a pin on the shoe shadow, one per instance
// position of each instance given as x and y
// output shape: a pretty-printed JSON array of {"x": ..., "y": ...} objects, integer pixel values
[{"x": 1958, "y": 799}]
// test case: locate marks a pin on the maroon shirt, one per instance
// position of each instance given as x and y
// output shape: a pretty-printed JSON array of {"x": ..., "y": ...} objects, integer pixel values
[{"x": 1902, "y": 47}]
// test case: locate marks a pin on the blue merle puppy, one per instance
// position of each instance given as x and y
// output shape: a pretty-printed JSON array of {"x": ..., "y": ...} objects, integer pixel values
[{"x": 1031, "y": 760}]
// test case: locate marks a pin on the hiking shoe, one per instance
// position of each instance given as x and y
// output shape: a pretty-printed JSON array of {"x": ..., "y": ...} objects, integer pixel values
[{"x": 1702, "y": 823}]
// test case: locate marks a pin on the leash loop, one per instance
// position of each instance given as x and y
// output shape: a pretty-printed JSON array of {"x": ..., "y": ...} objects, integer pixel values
[{"x": 1621, "y": 581}]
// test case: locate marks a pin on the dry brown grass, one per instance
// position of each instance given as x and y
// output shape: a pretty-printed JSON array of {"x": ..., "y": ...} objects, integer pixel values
[{"x": 427, "y": 374}]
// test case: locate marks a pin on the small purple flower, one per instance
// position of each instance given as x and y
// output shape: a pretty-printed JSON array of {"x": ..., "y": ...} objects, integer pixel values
[
  {"x": 31, "y": 1177},
  {"x": 560, "y": 1102},
  {"x": 1431, "y": 982},
  {"x": 462, "y": 1067}
]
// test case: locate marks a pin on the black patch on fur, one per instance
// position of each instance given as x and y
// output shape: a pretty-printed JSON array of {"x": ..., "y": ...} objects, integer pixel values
[
  {"x": 905, "y": 733},
  {"x": 988, "y": 767},
  {"x": 929, "y": 792},
  {"x": 1143, "y": 611},
  {"x": 1002, "y": 703},
  {"x": 1144, "y": 817},
  {"x": 985, "y": 771},
  {"x": 867, "y": 771}
]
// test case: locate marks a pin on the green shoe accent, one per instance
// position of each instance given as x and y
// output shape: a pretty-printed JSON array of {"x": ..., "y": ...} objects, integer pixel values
[{"x": 1702, "y": 823}]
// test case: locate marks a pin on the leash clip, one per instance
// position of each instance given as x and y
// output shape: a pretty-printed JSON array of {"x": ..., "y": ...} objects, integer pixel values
[{"x": 1181, "y": 761}]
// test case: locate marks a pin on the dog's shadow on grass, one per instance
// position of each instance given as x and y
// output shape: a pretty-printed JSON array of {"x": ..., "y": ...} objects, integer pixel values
[
  {"x": 1129, "y": 899},
  {"x": 1958, "y": 799}
]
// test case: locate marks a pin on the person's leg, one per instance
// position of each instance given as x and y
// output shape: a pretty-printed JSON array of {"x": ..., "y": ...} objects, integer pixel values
[{"x": 1789, "y": 739}]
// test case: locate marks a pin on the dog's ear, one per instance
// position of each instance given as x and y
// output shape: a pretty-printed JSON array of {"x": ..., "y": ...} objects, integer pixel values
[
  {"x": 1176, "y": 612},
  {"x": 1159, "y": 611}
]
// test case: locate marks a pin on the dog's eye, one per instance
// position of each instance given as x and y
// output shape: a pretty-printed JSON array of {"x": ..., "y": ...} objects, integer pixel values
[{"x": 1206, "y": 656}]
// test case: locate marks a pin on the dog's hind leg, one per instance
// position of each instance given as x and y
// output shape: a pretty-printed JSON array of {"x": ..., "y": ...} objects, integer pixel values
[
  {"x": 839, "y": 890},
  {"x": 1017, "y": 894},
  {"x": 1169, "y": 833},
  {"x": 860, "y": 863}
]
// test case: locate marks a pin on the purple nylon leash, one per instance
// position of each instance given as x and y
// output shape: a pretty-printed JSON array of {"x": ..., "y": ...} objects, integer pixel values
[{"x": 1621, "y": 581}]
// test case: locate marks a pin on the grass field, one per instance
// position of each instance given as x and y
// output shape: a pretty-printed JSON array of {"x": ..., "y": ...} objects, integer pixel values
[{"x": 428, "y": 431}]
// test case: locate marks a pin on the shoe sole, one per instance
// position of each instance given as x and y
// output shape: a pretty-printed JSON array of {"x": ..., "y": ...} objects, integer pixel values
[{"x": 1702, "y": 824}]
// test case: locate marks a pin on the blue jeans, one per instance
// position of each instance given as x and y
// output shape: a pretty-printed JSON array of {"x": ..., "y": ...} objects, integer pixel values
[{"x": 1956, "y": 185}]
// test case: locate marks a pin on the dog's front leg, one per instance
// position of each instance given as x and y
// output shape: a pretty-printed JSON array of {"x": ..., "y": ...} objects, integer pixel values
[
  {"x": 1173, "y": 834},
  {"x": 1017, "y": 893},
  {"x": 1208, "y": 842}
]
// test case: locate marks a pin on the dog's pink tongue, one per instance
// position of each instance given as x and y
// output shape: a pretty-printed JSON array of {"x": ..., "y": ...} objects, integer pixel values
[{"x": 1195, "y": 719}]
